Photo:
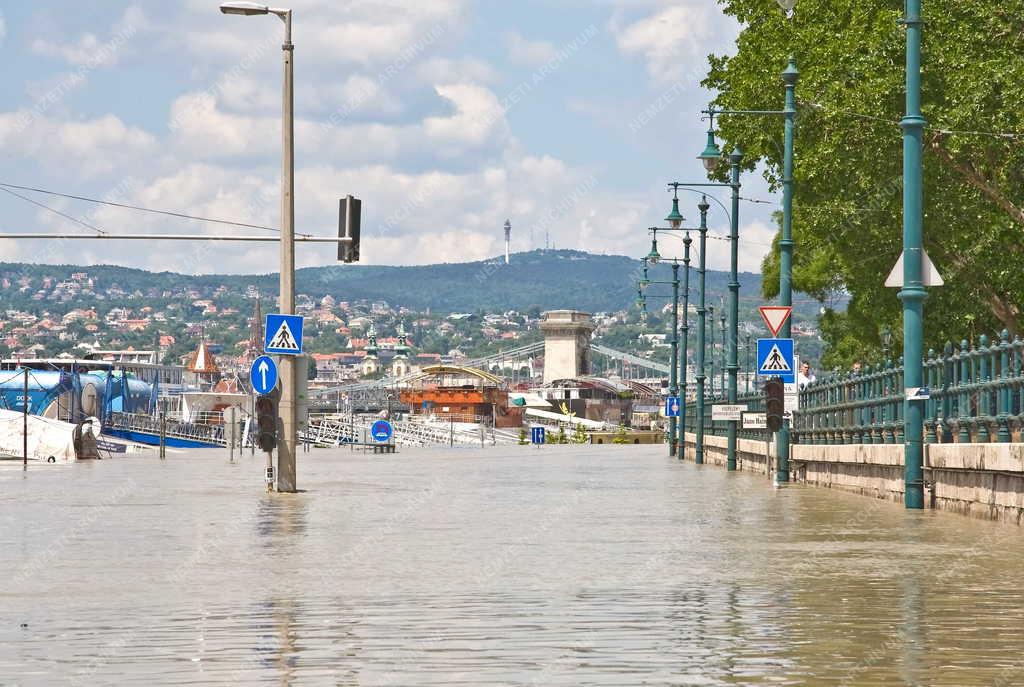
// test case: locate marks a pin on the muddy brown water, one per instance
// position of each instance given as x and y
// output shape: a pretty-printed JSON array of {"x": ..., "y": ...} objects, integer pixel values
[{"x": 504, "y": 566}]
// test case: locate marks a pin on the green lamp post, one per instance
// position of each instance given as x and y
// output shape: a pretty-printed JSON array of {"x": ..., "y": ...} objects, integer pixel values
[
  {"x": 711, "y": 385},
  {"x": 913, "y": 292},
  {"x": 711, "y": 156},
  {"x": 701, "y": 330},
  {"x": 654, "y": 257}
]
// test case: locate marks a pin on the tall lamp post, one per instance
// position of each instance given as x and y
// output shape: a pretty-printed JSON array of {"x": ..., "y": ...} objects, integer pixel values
[
  {"x": 673, "y": 386},
  {"x": 711, "y": 353},
  {"x": 701, "y": 330},
  {"x": 711, "y": 156},
  {"x": 748, "y": 363},
  {"x": 725, "y": 355},
  {"x": 913, "y": 292},
  {"x": 675, "y": 220},
  {"x": 288, "y": 439}
]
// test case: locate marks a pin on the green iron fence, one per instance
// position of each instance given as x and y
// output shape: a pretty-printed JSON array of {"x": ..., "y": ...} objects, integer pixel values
[{"x": 976, "y": 395}]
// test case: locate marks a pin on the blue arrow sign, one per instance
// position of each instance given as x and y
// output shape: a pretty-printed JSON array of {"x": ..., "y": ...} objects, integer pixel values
[
  {"x": 283, "y": 335},
  {"x": 672, "y": 406},
  {"x": 537, "y": 435},
  {"x": 263, "y": 375},
  {"x": 381, "y": 431},
  {"x": 775, "y": 359}
]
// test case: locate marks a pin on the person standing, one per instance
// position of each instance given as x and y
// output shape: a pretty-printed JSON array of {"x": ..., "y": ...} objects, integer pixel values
[{"x": 806, "y": 376}]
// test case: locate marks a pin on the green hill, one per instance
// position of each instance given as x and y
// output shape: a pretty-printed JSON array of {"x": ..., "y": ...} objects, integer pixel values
[{"x": 544, "y": 279}]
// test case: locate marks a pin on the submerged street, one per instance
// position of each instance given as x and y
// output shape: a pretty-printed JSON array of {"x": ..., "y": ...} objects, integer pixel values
[{"x": 506, "y": 566}]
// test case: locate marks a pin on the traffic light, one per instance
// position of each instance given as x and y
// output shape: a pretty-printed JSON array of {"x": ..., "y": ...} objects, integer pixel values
[
  {"x": 266, "y": 422},
  {"x": 349, "y": 218},
  {"x": 775, "y": 403}
]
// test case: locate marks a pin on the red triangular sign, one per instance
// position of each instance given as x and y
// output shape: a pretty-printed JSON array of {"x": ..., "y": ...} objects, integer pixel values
[{"x": 775, "y": 316}]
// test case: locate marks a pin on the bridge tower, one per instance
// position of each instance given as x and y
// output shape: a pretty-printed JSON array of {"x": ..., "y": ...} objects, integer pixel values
[{"x": 566, "y": 344}]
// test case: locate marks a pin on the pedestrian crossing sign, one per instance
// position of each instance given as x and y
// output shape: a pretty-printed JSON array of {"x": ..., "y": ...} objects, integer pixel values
[
  {"x": 283, "y": 334},
  {"x": 775, "y": 359}
]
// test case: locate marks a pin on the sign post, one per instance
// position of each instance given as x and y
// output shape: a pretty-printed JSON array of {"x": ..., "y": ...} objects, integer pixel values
[{"x": 284, "y": 337}]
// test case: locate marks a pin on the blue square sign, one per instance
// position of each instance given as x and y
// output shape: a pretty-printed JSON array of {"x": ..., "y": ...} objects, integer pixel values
[
  {"x": 537, "y": 435},
  {"x": 283, "y": 334},
  {"x": 775, "y": 359},
  {"x": 673, "y": 406}
]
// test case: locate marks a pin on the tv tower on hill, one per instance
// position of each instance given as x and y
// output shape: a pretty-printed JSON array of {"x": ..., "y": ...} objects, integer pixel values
[{"x": 508, "y": 238}]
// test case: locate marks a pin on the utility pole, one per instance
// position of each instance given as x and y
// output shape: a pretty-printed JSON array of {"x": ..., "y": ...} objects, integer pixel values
[
  {"x": 287, "y": 437},
  {"x": 789, "y": 77}
]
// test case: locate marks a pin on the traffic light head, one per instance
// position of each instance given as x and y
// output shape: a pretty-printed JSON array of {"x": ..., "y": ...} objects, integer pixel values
[
  {"x": 775, "y": 403},
  {"x": 266, "y": 423},
  {"x": 349, "y": 220}
]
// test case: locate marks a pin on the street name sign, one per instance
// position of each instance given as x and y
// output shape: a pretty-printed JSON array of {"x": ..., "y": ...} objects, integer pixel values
[
  {"x": 283, "y": 335},
  {"x": 755, "y": 421},
  {"x": 775, "y": 317},
  {"x": 918, "y": 393},
  {"x": 728, "y": 412},
  {"x": 263, "y": 375},
  {"x": 672, "y": 406},
  {"x": 775, "y": 359}
]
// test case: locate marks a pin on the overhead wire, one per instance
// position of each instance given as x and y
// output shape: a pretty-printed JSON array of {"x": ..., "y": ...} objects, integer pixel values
[
  {"x": 181, "y": 215},
  {"x": 53, "y": 210}
]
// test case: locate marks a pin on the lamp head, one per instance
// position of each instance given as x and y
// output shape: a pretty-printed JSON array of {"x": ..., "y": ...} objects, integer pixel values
[
  {"x": 245, "y": 8},
  {"x": 712, "y": 154},
  {"x": 654, "y": 256},
  {"x": 675, "y": 219}
]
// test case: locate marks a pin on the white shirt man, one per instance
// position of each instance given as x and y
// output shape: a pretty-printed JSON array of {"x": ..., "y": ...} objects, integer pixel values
[{"x": 805, "y": 376}]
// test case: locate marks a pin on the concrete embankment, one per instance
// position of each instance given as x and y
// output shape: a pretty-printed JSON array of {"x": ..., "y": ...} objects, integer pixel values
[{"x": 980, "y": 480}]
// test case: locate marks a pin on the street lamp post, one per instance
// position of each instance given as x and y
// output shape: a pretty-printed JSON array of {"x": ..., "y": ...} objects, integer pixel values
[
  {"x": 913, "y": 292},
  {"x": 287, "y": 442},
  {"x": 683, "y": 354},
  {"x": 701, "y": 330},
  {"x": 711, "y": 317},
  {"x": 711, "y": 157},
  {"x": 748, "y": 363},
  {"x": 725, "y": 358},
  {"x": 673, "y": 388}
]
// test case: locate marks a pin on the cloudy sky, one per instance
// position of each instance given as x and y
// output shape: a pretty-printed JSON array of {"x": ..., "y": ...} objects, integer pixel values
[{"x": 444, "y": 116}]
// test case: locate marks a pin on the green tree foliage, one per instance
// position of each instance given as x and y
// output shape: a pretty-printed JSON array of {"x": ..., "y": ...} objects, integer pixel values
[{"x": 848, "y": 202}]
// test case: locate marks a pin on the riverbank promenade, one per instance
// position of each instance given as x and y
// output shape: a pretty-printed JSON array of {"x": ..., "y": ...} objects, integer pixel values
[{"x": 559, "y": 565}]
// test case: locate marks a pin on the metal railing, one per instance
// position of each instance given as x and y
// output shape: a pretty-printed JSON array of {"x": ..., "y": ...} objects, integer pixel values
[{"x": 974, "y": 394}]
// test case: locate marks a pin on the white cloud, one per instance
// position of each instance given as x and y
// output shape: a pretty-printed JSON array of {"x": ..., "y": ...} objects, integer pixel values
[
  {"x": 3, "y": 28},
  {"x": 89, "y": 50},
  {"x": 476, "y": 122},
  {"x": 530, "y": 53},
  {"x": 90, "y": 147},
  {"x": 668, "y": 40},
  {"x": 445, "y": 70}
]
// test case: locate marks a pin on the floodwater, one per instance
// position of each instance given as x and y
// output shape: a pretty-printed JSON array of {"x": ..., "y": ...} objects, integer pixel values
[{"x": 609, "y": 565}]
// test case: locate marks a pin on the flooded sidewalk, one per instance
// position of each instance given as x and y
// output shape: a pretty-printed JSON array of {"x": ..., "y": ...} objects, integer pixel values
[{"x": 564, "y": 565}]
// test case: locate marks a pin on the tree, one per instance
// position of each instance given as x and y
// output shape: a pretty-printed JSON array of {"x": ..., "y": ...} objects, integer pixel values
[{"x": 848, "y": 178}]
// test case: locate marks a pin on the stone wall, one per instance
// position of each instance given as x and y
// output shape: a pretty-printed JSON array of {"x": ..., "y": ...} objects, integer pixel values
[{"x": 979, "y": 480}]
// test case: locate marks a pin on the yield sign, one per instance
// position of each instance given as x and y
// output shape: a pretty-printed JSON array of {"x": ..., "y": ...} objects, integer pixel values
[{"x": 775, "y": 316}]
